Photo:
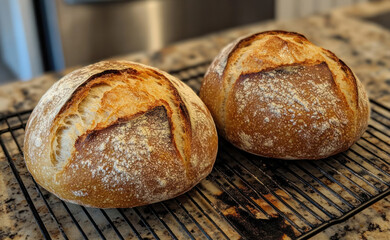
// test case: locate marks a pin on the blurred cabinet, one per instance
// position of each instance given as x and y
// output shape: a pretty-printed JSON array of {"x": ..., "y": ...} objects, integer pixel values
[
  {"x": 289, "y": 9},
  {"x": 45, "y": 35},
  {"x": 89, "y": 32},
  {"x": 19, "y": 41}
]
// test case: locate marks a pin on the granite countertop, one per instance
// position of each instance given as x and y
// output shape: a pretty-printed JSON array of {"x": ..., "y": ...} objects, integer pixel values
[{"x": 362, "y": 44}]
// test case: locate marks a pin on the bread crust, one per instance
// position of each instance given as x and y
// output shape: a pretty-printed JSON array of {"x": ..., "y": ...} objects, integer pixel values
[
  {"x": 277, "y": 95},
  {"x": 119, "y": 134}
]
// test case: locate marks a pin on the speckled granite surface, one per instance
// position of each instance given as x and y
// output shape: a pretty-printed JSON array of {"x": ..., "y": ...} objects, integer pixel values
[{"x": 363, "y": 45}]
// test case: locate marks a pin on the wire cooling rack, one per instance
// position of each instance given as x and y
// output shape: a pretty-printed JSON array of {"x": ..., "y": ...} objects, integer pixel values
[{"x": 245, "y": 196}]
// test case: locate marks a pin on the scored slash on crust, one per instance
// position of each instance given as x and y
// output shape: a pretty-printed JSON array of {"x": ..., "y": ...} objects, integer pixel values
[
  {"x": 155, "y": 126},
  {"x": 267, "y": 53}
]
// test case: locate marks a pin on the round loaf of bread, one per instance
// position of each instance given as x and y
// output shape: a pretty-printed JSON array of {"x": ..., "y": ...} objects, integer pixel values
[
  {"x": 275, "y": 94},
  {"x": 119, "y": 134}
]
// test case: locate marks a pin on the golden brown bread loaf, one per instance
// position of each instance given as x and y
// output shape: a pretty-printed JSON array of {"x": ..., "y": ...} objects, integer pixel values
[
  {"x": 276, "y": 94},
  {"x": 119, "y": 134}
]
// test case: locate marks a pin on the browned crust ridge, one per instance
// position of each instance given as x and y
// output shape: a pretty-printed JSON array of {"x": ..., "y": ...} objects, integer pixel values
[
  {"x": 266, "y": 52},
  {"x": 119, "y": 134}
]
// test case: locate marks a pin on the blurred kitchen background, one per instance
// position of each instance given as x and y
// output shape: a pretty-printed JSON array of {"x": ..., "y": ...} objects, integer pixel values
[{"x": 37, "y": 36}]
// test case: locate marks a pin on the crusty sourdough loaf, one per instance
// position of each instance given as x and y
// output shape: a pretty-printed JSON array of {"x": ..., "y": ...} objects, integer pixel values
[
  {"x": 276, "y": 94},
  {"x": 119, "y": 134}
]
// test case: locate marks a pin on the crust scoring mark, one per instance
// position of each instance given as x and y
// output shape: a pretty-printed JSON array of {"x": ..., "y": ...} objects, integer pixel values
[
  {"x": 297, "y": 94},
  {"x": 294, "y": 48},
  {"x": 353, "y": 100},
  {"x": 72, "y": 125},
  {"x": 237, "y": 56},
  {"x": 126, "y": 159},
  {"x": 89, "y": 108}
]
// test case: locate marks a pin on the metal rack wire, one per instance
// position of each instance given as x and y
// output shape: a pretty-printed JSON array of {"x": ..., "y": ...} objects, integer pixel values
[{"x": 244, "y": 197}]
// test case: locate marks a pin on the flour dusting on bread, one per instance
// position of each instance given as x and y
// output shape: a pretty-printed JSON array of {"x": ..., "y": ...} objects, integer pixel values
[
  {"x": 119, "y": 134},
  {"x": 281, "y": 96}
]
